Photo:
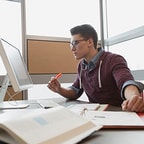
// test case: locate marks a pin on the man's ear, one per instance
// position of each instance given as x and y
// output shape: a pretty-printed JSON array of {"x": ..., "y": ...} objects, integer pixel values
[{"x": 90, "y": 42}]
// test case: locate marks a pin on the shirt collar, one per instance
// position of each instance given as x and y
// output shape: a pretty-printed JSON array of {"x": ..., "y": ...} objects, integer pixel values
[{"x": 92, "y": 64}]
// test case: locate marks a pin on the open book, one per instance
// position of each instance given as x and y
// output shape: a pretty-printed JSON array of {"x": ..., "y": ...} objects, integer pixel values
[
  {"x": 81, "y": 108},
  {"x": 115, "y": 119},
  {"x": 57, "y": 125}
]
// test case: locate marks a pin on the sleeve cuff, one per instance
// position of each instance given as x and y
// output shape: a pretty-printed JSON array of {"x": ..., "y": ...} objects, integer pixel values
[
  {"x": 77, "y": 91},
  {"x": 74, "y": 89},
  {"x": 139, "y": 85}
]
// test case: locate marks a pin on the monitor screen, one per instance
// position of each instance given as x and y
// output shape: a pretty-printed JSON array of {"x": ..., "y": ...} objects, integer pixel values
[{"x": 15, "y": 66}]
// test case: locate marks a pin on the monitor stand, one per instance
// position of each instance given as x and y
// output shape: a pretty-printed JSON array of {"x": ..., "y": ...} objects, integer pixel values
[{"x": 8, "y": 104}]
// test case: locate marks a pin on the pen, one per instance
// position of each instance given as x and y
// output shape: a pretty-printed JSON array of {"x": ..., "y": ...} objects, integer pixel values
[
  {"x": 83, "y": 111},
  {"x": 58, "y": 76}
]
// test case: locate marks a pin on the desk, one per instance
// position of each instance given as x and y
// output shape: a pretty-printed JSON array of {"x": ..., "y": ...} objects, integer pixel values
[{"x": 109, "y": 136}]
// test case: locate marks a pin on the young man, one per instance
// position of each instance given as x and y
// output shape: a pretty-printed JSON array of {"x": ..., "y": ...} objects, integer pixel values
[{"x": 105, "y": 77}]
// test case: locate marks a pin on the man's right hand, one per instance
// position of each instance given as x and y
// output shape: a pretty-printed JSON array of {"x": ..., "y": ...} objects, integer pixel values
[{"x": 54, "y": 85}]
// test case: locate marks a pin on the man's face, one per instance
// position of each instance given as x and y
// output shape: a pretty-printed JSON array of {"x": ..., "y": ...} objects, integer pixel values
[{"x": 79, "y": 46}]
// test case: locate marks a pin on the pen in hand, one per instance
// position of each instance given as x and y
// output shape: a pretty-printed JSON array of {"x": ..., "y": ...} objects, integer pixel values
[
  {"x": 54, "y": 86},
  {"x": 58, "y": 76}
]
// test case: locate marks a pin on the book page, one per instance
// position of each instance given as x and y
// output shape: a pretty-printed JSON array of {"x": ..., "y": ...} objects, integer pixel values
[
  {"x": 55, "y": 125},
  {"x": 114, "y": 118},
  {"x": 79, "y": 108},
  {"x": 5, "y": 137}
]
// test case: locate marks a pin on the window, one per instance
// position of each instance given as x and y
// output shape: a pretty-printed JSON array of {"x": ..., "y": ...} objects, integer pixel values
[
  {"x": 132, "y": 52},
  {"x": 124, "y": 16},
  {"x": 56, "y": 17},
  {"x": 10, "y": 25}
]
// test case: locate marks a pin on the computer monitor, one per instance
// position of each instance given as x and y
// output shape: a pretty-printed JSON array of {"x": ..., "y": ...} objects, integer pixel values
[{"x": 17, "y": 73}]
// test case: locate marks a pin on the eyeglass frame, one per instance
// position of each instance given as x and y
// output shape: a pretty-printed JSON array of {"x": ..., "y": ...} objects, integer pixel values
[{"x": 76, "y": 42}]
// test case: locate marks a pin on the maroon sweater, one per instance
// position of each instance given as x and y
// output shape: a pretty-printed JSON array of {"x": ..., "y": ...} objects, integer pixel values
[{"x": 103, "y": 81}]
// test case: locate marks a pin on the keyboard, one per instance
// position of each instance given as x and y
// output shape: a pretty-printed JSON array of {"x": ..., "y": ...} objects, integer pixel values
[{"x": 45, "y": 103}]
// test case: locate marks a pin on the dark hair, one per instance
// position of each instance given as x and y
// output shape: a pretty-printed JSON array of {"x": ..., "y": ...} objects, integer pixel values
[{"x": 86, "y": 31}]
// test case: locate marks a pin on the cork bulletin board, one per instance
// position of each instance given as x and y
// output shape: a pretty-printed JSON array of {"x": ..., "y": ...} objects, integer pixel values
[{"x": 50, "y": 57}]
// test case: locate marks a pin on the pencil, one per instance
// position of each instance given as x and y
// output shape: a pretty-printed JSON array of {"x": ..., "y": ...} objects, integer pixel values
[{"x": 58, "y": 75}]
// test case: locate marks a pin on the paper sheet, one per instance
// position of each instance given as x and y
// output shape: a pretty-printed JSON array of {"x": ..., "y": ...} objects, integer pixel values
[{"x": 119, "y": 118}]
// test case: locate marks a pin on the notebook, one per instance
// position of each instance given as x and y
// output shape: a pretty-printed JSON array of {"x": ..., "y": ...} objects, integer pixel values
[{"x": 115, "y": 119}]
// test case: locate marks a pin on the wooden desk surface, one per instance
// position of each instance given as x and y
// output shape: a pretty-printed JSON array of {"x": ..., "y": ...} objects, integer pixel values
[{"x": 103, "y": 136}]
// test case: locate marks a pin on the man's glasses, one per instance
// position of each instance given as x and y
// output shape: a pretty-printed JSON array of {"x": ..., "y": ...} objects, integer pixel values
[{"x": 76, "y": 42}]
